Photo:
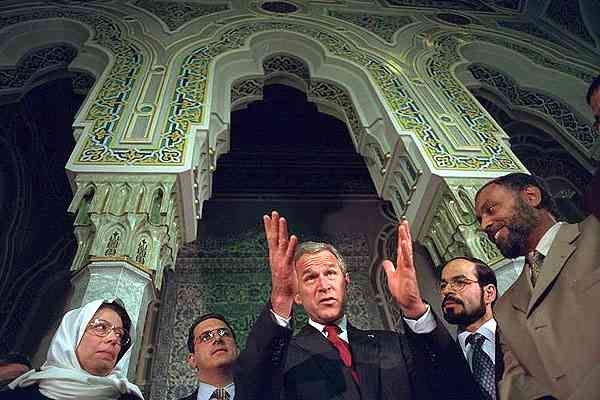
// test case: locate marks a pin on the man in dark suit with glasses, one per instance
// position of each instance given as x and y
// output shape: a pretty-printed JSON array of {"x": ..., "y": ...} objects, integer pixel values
[{"x": 213, "y": 354}]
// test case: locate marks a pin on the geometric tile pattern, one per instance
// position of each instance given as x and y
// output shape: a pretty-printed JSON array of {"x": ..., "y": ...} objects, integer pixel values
[
  {"x": 482, "y": 128},
  {"x": 113, "y": 97},
  {"x": 51, "y": 57},
  {"x": 576, "y": 129},
  {"x": 175, "y": 14},
  {"x": 383, "y": 26},
  {"x": 191, "y": 90}
]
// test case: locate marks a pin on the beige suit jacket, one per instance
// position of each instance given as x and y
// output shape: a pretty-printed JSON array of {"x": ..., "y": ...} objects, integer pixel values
[{"x": 550, "y": 335}]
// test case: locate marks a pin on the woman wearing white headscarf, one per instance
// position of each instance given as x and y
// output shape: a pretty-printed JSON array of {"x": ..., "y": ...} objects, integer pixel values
[{"x": 85, "y": 360}]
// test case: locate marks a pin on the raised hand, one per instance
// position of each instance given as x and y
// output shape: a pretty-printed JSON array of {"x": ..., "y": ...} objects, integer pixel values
[
  {"x": 402, "y": 279},
  {"x": 281, "y": 260}
]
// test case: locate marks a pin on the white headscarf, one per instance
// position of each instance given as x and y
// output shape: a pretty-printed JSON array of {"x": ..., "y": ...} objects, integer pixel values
[{"x": 62, "y": 378}]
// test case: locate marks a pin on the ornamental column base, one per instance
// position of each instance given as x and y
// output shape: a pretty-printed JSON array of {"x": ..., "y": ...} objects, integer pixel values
[{"x": 110, "y": 278}]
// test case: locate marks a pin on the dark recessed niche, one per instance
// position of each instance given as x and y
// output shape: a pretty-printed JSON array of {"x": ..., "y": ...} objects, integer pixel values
[
  {"x": 454, "y": 19},
  {"x": 280, "y": 7}
]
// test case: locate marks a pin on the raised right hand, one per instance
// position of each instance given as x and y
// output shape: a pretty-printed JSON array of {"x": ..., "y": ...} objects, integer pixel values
[{"x": 281, "y": 260}]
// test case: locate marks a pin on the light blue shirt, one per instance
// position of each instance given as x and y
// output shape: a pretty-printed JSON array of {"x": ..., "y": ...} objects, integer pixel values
[
  {"x": 205, "y": 390},
  {"x": 487, "y": 330}
]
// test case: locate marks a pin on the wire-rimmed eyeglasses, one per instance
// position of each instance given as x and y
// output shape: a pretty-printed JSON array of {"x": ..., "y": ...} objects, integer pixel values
[
  {"x": 102, "y": 328},
  {"x": 457, "y": 284}
]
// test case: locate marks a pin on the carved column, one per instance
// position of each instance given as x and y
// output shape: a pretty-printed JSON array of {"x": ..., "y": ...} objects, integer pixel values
[{"x": 127, "y": 233}]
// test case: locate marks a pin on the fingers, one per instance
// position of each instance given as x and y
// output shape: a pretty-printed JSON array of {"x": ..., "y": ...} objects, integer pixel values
[
  {"x": 271, "y": 227},
  {"x": 389, "y": 268},
  {"x": 289, "y": 255},
  {"x": 276, "y": 231},
  {"x": 404, "y": 247},
  {"x": 282, "y": 234},
  {"x": 267, "y": 224}
]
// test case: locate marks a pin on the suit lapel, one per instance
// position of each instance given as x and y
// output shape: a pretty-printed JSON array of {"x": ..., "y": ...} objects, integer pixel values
[
  {"x": 560, "y": 251},
  {"x": 313, "y": 342},
  {"x": 365, "y": 359},
  {"x": 521, "y": 292}
]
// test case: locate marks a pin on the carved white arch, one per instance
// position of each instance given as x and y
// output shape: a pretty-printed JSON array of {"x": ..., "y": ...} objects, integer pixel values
[
  {"x": 16, "y": 40},
  {"x": 212, "y": 135}
]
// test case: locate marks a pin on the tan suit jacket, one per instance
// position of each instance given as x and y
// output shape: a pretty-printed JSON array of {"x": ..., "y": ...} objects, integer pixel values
[{"x": 550, "y": 335}]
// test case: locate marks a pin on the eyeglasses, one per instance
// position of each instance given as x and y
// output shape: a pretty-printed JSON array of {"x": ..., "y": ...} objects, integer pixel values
[
  {"x": 102, "y": 328},
  {"x": 207, "y": 336},
  {"x": 456, "y": 284}
]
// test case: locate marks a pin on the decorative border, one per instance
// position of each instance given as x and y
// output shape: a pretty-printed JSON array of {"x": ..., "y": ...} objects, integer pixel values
[{"x": 190, "y": 96}]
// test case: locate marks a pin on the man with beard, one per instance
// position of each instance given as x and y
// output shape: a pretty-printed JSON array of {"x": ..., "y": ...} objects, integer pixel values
[
  {"x": 469, "y": 289},
  {"x": 548, "y": 318}
]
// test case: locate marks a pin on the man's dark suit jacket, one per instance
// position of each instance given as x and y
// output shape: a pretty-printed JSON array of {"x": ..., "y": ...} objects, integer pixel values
[
  {"x": 276, "y": 365},
  {"x": 439, "y": 336}
]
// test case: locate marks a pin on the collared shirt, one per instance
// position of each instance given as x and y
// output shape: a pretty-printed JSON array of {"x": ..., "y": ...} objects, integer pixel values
[
  {"x": 488, "y": 330},
  {"x": 546, "y": 241},
  {"x": 342, "y": 323},
  {"x": 206, "y": 390},
  {"x": 544, "y": 245}
]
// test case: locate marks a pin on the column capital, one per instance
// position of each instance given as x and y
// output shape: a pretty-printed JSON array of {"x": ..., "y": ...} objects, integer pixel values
[
  {"x": 450, "y": 228},
  {"x": 127, "y": 218}
]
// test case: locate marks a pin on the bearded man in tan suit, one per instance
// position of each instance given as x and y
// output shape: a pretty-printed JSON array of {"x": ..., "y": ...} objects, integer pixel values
[{"x": 549, "y": 320}]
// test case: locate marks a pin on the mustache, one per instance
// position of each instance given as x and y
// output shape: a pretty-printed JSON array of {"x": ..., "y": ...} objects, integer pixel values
[
  {"x": 491, "y": 231},
  {"x": 454, "y": 299}
]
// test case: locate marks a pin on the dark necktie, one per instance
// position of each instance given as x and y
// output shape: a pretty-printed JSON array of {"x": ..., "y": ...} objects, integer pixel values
[
  {"x": 342, "y": 348},
  {"x": 219, "y": 394},
  {"x": 535, "y": 260},
  {"x": 482, "y": 367}
]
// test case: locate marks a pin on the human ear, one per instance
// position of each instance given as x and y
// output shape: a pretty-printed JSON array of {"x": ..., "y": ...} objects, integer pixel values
[
  {"x": 532, "y": 195},
  {"x": 490, "y": 293},
  {"x": 191, "y": 361}
]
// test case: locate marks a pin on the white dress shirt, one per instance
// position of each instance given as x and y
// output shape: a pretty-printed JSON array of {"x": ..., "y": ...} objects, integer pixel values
[
  {"x": 341, "y": 323},
  {"x": 205, "y": 390}
]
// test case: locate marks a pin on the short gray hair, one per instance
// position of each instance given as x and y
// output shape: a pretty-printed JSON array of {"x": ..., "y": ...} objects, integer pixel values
[{"x": 317, "y": 247}]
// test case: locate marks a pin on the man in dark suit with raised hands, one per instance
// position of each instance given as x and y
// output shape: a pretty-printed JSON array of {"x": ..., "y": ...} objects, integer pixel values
[{"x": 329, "y": 358}]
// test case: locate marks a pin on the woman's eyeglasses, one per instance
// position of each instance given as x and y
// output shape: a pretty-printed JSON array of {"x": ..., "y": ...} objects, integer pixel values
[{"x": 102, "y": 328}]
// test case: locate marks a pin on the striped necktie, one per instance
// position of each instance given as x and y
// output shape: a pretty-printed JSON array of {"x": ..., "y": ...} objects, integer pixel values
[{"x": 220, "y": 394}]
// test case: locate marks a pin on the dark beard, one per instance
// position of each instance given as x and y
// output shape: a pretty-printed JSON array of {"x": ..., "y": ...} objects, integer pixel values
[
  {"x": 523, "y": 220},
  {"x": 464, "y": 318}
]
